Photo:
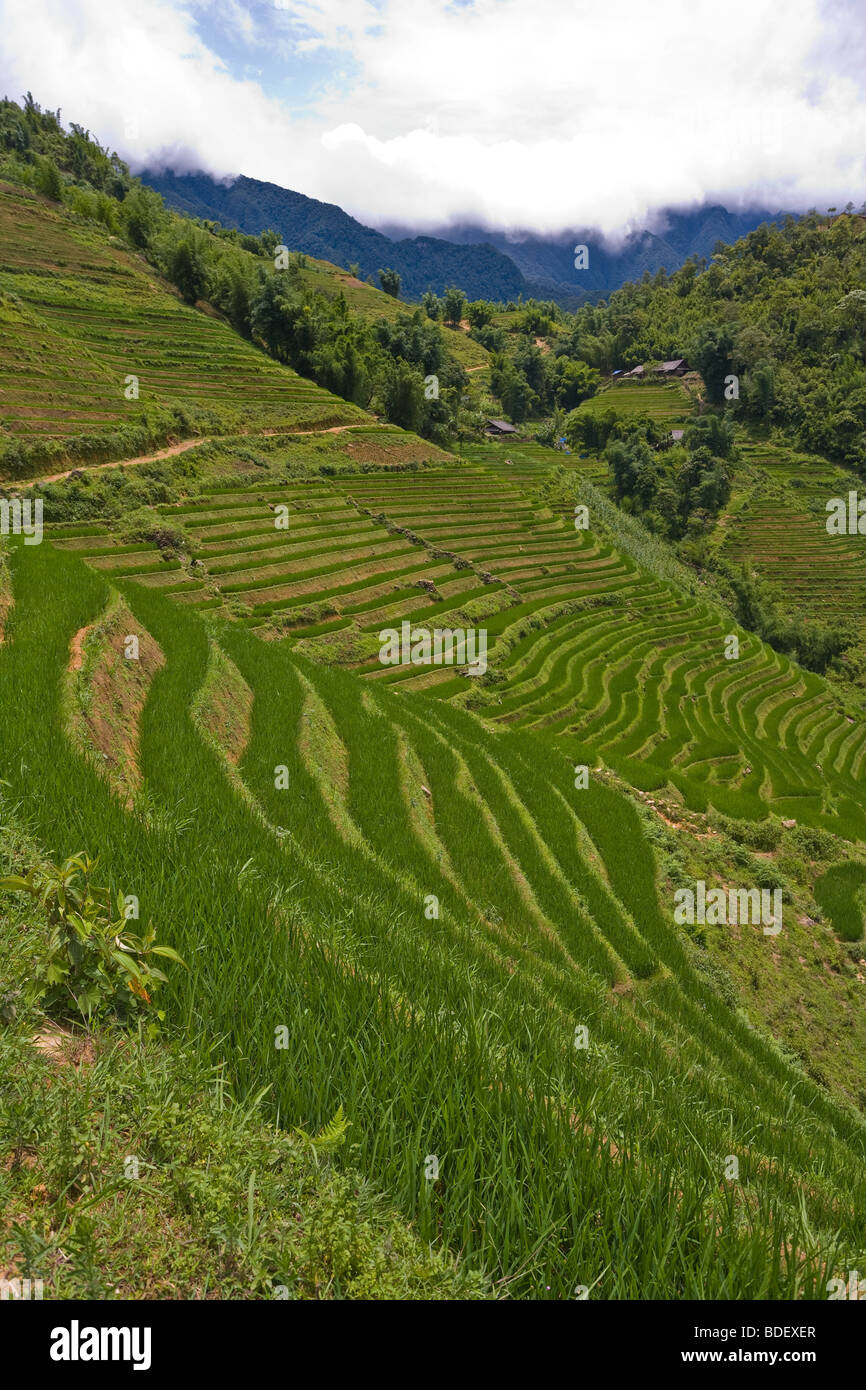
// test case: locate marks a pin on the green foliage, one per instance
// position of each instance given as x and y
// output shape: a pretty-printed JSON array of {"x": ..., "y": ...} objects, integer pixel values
[
  {"x": 187, "y": 267},
  {"x": 331, "y": 1136},
  {"x": 569, "y": 383},
  {"x": 91, "y": 963},
  {"x": 453, "y": 306},
  {"x": 219, "y": 1200},
  {"x": 672, "y": 488},
  {"x": 142, "y": 214},
  {"x": 548, "y": 900},
  {"x": 813, "y": 644},
  {"x": 47, "y": 180},
  {"x": 841, "y": 894},
  {"x": 308, "y": 328},
  {"x": 480, "y": 312},
  {"x": 387, "y": 361},
  {"x": 711, "y": 352},
  {"x": 402, "y": 394},
  {"x": 781, "y": 310},
  {"x": 37, "y": 138},
  {"x": 390, "y": 282},
  {"x": 512, "y": 387}
]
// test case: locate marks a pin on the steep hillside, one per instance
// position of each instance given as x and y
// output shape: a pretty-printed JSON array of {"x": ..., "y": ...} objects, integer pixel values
[
  {"x": 595, "y": 636},
  {"x": 325, "y": 231},
  {"x": 776, "y": 523},
  {"x": 487, "y": 263},
  {"x": 547, "y": 263},
  {"x": 100, "y": 358},
  {"x": 345, "y": 337},
  {"x": 782, "y": 312},
  {"x": 70, "y": 1215},
  {"x": 372, "y": 304},
  {"x": 440, "y": 1016},
  {"x": 415, "y": 896}
]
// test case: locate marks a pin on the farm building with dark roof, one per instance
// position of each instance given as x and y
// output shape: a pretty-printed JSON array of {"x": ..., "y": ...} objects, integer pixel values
[{"x": 676, "y": 367}]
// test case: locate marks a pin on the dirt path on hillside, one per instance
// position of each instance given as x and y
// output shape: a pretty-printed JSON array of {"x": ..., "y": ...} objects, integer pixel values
[
  {"x": 76, "y": 649},
  {"x": 173, "y": 449},
  {"x": 332, "y": 429},
  {"x": 127, "y": 463}
]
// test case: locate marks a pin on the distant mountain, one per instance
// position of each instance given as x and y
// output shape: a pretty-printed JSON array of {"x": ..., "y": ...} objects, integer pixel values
[
  {"x": 485, "y": 263},
  {"x": 547, "y": 263},
  {"x": 326, "y": 231}
]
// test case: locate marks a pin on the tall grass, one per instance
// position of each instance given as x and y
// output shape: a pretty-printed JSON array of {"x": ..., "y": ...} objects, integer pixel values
[{"x": 455, "y": 1036}]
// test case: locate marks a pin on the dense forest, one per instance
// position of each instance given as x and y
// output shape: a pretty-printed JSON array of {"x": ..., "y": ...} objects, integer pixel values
[{"x": 783, "y": 311}]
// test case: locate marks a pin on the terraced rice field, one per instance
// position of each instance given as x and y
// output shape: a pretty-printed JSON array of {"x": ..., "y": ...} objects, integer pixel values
[
  {"x": 666, "y": 402},
  {"x": 79, "y": 315},
  {"x": 616, "y": 666},
  {"x": 778, "y": 523},
  {"x": 527, "y": 464},
  {"x": 436, "y": 913}
]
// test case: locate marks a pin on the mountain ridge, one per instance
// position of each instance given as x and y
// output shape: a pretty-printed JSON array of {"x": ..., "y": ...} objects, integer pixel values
[
  {"x": 486, "y": 263},
  {"x": 324, "y": 230},
  {"x": 547, "y": 262}
]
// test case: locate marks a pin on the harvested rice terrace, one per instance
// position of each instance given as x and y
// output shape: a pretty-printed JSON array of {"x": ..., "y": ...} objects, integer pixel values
[
  {"x": 79, "y": 315},
  {"x": 616, "y": 666}
]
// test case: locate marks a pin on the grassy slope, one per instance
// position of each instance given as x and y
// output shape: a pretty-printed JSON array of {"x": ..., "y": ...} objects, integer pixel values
[
  {"x": 543, "y": 923},
  {"x": 217, "y": 1203},
  {"x": 79, "y": 314},
  {"x": 665, "y": 402},
  {"x": 776, "y": 521},
  {"x": 593, "y": 644},
  {"x": 554, "y": 1173}
]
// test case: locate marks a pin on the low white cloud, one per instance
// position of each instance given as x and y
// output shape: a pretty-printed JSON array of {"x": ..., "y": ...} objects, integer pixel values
[{"x": 530, "y": 113}]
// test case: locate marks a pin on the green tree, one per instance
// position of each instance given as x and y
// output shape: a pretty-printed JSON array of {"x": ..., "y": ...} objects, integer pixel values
[
  {"x": 479, "y": 312},
  {"x": 390, "y": 282},
  {"x": 453, "y": 306},
  {"x": 47, "y": 180},
  {"x": 403, "y": 396},
  {"x": 142, "y": 212},
  {"x": 573, "y": 382},
  {"x": 513, "y": 389},
  {"x": 712, "y": 351},
  {"x": 187, "y": 267},
  {"x": 270, "y": 321}
]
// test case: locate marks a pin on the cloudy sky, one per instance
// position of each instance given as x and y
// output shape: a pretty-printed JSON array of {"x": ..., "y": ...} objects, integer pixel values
[{"x": 544, "y": 114}]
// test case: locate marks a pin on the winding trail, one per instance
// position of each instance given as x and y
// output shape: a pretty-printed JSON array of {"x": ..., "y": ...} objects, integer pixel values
[
  {"x": 180, "y": 448},
  {"x": 169, "y": 452}
]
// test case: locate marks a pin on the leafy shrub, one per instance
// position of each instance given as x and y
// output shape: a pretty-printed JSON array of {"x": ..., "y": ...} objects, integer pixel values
[{"x": 91, "y": 963}]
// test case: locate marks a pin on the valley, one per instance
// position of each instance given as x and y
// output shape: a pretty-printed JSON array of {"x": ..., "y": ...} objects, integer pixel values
[{"x": 400, "y": 974}]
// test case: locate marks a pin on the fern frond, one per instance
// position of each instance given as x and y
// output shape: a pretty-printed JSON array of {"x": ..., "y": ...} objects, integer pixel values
[{"x": 331, "y": 1136}]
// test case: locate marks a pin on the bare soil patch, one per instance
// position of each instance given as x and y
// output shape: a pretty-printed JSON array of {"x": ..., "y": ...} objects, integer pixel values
[{"x": 108, "y": 692}]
